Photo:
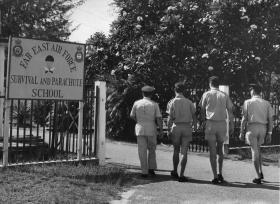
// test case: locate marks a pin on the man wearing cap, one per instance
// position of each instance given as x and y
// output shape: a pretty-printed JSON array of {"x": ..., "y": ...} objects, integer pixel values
[
  {"x": 215, "y": 104},
  {"x": 256, "y": 125},
  {"x": 181, "y": 117},
  {"x": 147, "y": 115}
]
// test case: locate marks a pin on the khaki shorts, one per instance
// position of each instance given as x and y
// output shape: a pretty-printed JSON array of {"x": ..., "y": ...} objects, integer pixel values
[
  {"x": 181, "y": 136},
  {"x": 255, "y": 134},
  {"x": 215, "y": 130}
]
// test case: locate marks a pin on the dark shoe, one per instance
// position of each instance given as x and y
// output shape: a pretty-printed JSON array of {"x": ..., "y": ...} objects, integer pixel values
[
  {"x": 221, "y": 178},
  {"x": 144, "y": 175},
  {"x": 174, "y": 174},
  {"x": 257, "y": 181},
  {"x": 261, "y": 175},
  {"x": 152, "y": 172},
  {"x": 215, "y": 181},
  {"x": 183, "y": 179}
]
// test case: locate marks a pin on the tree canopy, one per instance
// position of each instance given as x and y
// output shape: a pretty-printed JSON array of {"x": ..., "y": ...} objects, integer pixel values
[
  {"x": 159, "y": 42},
  {"x": 246, "y": 42},
  {"x": 37, "y": 19}
]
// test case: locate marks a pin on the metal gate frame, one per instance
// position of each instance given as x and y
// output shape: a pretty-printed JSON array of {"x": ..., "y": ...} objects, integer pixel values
[{"x": 29, "y": 141}]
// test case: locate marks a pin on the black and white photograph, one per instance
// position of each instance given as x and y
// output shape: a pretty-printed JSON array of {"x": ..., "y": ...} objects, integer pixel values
[{"x": 139, "y": 101}]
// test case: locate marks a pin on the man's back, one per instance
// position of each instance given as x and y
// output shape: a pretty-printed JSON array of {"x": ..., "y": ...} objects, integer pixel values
[
  {"x": 257, "y": 110},
  {"x": 145, "y": 111},
  {"x": 215, "y": 103},
  {"x": 181, "y": 109}
]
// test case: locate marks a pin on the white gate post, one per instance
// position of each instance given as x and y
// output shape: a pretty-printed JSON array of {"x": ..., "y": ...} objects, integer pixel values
[
  {"x": 225, "y": 89},
  {"x": 6, "y": 132},
  {"x": 80, "y": 130},
  {"x": 2, "y": 91},
  {"x": 101, "y": 121}
]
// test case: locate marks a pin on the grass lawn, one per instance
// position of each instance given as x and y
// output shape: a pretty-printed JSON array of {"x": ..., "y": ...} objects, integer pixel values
[
  {"x": 270, "y": 155},
  {"x": 62, "y": 183}
]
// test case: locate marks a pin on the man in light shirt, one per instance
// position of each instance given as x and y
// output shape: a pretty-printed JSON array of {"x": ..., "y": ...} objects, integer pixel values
[
  {"x": 215, "y": 104},
  {"x": 147, "y": 115},
  {"x": 180, "y": 120},
  {"x": 256, "y": 125}
]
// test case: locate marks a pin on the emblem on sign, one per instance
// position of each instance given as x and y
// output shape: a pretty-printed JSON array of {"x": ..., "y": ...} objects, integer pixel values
[
  {"x": 17, "y": 49},
  {"x": 49, "y": 68},
  {"x": 79, "y": 54}
]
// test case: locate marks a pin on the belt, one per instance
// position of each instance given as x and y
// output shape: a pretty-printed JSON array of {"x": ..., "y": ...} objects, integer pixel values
[
  {"x": 183, "y": 123},
  {"x": 216, "y": 121},
  {"x": 257, "y": 123}
]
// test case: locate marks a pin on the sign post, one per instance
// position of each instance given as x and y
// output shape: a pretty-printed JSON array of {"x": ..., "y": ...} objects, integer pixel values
[{"x": 80, "y": 131}]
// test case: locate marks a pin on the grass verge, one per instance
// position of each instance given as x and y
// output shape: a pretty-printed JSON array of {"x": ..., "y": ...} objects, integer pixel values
[
  {"x": 62, "y": 183},
  {"x": 270, "y": 155}
]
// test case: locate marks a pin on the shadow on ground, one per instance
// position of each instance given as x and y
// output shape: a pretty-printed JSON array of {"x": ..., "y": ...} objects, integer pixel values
[
  {"x": 265, "y": 185},
  {"x": 134, "y": 173}
]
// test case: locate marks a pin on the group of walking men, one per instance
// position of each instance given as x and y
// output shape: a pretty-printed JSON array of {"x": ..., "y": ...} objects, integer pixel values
[{"x": 216, "y": 107}]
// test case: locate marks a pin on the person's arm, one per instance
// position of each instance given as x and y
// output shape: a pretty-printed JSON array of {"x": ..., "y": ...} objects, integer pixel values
[
  {"x": 170, "y": 118},
  {"x": 133, "y": 112},
  {"x": 159, "y": 121},
  {"x": 194, "y": 118},
  {"x": 242, "y": 128},
  {"x": 231, "y": 121},
  {"x": 243, "y": 122},
  {"x": 269, "y": 125},
  {"x": 202, "y": 112},
  {"x": 230, "y": 116},
  {"x": 169, "y": 123}
]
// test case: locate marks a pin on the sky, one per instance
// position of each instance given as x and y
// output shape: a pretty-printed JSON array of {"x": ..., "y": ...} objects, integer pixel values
[{"x": 93, "y": 16}]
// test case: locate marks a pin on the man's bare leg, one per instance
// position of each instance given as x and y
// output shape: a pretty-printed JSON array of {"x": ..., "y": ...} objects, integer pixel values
[
  {"x": 213, "y": 156},
  {"x": 184, "y": 162},
  {"x": 176, "y": 158},
  {"x": 256, "y": 160},
  {"x": 221, "y": 156},
  {"x": 260, "y": 159}
]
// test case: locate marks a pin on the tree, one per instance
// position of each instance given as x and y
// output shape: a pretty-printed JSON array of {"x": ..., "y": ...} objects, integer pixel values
[
  {"x": 38, "y": 19},
  {"x": 158, "y": 41},
  {"x": 161, "y": 42},
  {"x": 246, "y": 40},
  {"x": 101, "y": 58}
]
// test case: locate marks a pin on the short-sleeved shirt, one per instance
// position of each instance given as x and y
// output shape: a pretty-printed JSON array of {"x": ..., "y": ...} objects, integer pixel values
[
  {"x": 216, "y": 103},
  {"x": 145, "y": 111},
  {"x": 257, "y": 110},
  {"x": 180, "y": 109}
]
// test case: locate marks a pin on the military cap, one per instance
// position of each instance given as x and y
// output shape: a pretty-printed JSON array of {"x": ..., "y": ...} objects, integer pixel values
[
  {"x": 148, "y": 89},
  {"x": 255, "y": 87},
  {"x": 214, "y": 78}
]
